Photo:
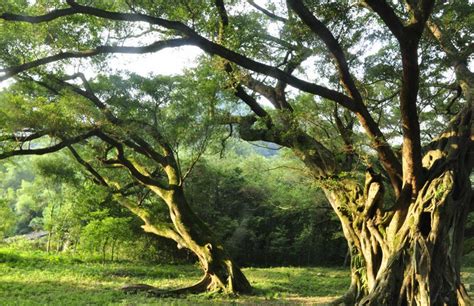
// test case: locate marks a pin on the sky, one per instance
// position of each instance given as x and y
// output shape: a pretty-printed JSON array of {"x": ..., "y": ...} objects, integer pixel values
[
  {"x": 168, "y": 61},
  {"x": 165, "y": 62}
]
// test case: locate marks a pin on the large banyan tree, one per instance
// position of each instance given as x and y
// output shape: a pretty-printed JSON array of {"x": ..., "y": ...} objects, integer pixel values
[{"x": 374, "y": 96}]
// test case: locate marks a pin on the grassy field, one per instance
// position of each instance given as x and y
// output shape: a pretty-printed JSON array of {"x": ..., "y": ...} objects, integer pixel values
[{"x": 35, "y": 278}]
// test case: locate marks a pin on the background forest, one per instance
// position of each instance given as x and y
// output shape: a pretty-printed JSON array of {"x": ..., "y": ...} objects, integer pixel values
[{"x": 258, "y": 200}]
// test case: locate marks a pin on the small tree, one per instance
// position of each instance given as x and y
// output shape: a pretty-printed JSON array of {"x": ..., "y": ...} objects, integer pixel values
[
  {"x": 105, "y": 234},
  {"x": 8, "y": 219}
]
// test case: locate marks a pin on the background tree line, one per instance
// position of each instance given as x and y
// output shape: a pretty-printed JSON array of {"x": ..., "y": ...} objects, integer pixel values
[{"x": 259, "y": 201}]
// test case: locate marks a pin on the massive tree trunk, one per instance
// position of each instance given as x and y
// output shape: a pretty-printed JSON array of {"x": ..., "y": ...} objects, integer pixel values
[
  {"x": 406, "y": 251},
  {"x": 221, "y": 273},
  {"x": 410, "y": 253}
]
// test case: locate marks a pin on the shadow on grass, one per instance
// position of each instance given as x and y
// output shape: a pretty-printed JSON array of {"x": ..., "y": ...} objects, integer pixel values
[
  {"x": 109, "y": 270},
  {"x": 70, "y": 293},
  {"x": 55, "y": 293},
  {"x": 303, "y": 282}
]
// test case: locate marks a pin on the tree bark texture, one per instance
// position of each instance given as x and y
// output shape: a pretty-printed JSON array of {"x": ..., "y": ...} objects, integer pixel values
[{"x": 411, "y": 255}]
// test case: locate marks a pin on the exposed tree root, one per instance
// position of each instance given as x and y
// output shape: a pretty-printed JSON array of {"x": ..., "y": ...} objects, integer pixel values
[
  {"x": 135, "y": 288},
  {"x": 349, "y": 298},
  {"x": 462, "y": 296},
  {"x": 205, "y": 284}
]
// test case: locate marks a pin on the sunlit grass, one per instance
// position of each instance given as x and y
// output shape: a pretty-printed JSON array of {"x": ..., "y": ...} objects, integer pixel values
[
  {"x": 35, "y": 278},
  {"x": 290, "y": 281}
]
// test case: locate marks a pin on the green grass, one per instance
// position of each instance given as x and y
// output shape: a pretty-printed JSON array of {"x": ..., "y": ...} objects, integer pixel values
[{"x": 35, "y": 278}]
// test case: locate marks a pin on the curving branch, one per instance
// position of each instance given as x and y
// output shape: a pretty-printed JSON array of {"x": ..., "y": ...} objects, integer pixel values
[
  {"x": 331, "y": 44},
  {"x": 98, "y": 179},
  {"x": 39, "y": 19},
  {"x": 387, "y": 157},
  {"x": 267, "y": 12},
  {"x": 54, "y": 148},
  {"x": 388, "y": 16},
  {"x": 154, "y": 47},
  {"x": 132, "y": 168},
  {"x": 192, "y": 38},
  {"x": 251, "y": 102}
]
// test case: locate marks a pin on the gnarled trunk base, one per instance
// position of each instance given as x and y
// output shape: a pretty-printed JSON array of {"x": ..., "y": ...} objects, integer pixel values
[
  {"x": 210, "y": 282},
  {"x": 221, "y": 274},
  {"x": 409, "y": 253}
]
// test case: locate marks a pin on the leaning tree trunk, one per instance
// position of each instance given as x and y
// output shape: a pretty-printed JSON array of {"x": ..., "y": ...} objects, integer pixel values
[
  {"x": 221, "y": 273},
  {"x": 189, "y": 231},
  {"x": 411, "y": 253}
]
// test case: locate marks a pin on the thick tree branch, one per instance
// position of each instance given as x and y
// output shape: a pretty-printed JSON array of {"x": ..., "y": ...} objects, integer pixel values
[
  {"x": 251, "y": 102},
  {"x": 222, "y": 12},
  {"x": 134, "y": 171},
  {"x": 193, "y": 38},
  {"x": 388, "y": 16},
  {"x": 388, "y": 158},
  {"x": 267, "y": 12},
  {"x": 332, "y": 45},
  {"x": 54, "y": 148},
  {"x": 97, "y": 177},
  {"x": 408, "y": 38},
  {"x": 412, "y": 166},
  {"x": 154, "y": 47},
  {"x": 39, "y": 19}
]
